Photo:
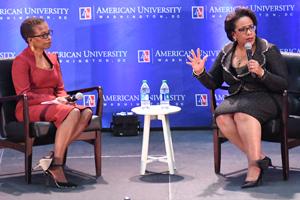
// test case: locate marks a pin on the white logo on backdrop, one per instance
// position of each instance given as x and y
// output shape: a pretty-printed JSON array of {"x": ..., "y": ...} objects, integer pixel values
[
  {"x": 201, "y": 100},
  {"x": 172, "y": 55},
  {"x": 85, "y": 13},
  {"x": 92, "y": 56},
  {"x": 134, "y": 100},
  {"x": 198, "y": 12},
  {"x": 130, "y": 12},
  {"x": 144, "y": 56},
  {"x": 263, "y": 10}
]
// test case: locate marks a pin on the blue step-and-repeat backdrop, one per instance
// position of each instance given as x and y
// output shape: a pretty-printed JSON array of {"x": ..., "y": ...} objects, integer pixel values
[{"x": 117, "y": 44}]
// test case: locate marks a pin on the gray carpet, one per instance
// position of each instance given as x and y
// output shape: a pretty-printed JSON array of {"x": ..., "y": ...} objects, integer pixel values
[{"x": 194, "y": 178}]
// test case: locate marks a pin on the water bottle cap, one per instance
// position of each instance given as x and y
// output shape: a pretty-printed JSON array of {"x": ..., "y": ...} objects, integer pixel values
[
  {"x": 144, "y": 81},
  {"x": 164, "y": 81}
]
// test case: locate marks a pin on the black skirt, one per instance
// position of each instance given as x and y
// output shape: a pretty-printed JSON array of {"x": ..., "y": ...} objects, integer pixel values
[{"x": 259, "y": 105}]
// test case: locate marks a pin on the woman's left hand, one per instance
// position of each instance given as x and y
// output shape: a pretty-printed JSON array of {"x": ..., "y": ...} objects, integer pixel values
[{"x": 254, "y": 67}]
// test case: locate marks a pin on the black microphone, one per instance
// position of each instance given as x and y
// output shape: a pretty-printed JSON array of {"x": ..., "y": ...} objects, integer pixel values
[
  {"x": 248, "y": 47},
  {"x": 75, "y": 97}
]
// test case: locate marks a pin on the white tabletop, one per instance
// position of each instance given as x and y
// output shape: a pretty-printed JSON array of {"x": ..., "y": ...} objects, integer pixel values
[{"x": 156, "y": 110}]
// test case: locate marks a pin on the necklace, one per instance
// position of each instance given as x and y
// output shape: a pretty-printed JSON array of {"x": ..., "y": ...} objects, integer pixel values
[{"x": 238, "y": 61}]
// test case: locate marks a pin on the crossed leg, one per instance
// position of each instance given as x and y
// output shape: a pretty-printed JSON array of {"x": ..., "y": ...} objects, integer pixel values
[{"x": 67, "y": 132}]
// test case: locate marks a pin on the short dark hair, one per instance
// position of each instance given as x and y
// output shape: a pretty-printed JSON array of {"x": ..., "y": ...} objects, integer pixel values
[
  {"x": 232, "y": 17},
  {"x": 28, "y": 25}
]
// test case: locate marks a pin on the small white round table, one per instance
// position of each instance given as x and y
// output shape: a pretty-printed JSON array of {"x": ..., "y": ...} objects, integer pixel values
[{"x": 156, "y": 112}]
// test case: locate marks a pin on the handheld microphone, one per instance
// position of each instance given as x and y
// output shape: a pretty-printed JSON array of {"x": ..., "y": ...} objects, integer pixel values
[
  {"x": 248, "y": 47},
  {"x": 75, "y": 97}
]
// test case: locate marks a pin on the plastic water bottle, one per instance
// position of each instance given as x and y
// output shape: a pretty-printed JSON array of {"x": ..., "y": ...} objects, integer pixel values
[
  {"x": 164, "y": 96},
  {"x": 145, "y": 95},
  {"x": 127, "y": 198}
]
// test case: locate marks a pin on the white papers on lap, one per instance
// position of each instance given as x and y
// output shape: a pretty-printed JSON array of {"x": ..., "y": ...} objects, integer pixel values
[{"x": 54, "y": 101}]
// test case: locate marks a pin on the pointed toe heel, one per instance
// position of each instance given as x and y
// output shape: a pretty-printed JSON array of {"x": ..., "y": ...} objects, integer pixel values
[{"x": 250, "y": 184}]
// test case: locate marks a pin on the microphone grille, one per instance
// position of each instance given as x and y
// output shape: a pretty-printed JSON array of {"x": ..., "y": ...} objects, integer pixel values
[
  {"x": 248, "y": 45},
  {"x": 79, "y": 95}
]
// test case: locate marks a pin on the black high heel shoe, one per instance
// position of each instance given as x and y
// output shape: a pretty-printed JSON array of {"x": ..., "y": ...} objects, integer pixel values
[
  {"x": 265, "y": 163},
  {"x": 257, "y": 182},
  {"x": 60, "y": 185}
]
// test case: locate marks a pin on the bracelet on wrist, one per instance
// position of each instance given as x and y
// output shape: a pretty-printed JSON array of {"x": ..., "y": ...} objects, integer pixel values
[{"x": 199, "y": 73}]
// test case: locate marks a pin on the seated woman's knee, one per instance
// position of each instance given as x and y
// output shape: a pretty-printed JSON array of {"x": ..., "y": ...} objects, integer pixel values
[
  {"x": 223, "y": 119},
  {"x": 241, "y": 117},
  {"x": 75, "y": 112},
  {"x": 87, "y": 113}
]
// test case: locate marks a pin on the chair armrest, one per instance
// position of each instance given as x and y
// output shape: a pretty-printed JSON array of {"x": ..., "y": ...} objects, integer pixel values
[
  {"x": 286, "y": 103},
  {"x": 292, "y": 92},
  {"x": 99, "y": 104},
  {"x": 285, "y": 108},
  {"x": 11, "y": 98},
  {"x": 83, "y": 90},
  {"x": 213, "y": 104},
  {"x": 25, "y": 111},
  {"x": 223, "y": 87}
]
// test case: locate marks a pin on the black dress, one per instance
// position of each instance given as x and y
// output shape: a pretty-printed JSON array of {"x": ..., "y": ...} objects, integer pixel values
[
  {"x": 259, "y": 97},
  {"x": 259, "y": 104}
]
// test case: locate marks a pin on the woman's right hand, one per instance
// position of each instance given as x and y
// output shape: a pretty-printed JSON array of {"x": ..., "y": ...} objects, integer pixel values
[{"x": 196, "y": 62}]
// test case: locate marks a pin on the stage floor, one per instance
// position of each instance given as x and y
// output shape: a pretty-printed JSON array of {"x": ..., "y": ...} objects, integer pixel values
[{"x": 194, "y": 179}]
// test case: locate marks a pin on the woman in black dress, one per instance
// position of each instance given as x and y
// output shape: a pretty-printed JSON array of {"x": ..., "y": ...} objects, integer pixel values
[{"x": 255, "y": 86}]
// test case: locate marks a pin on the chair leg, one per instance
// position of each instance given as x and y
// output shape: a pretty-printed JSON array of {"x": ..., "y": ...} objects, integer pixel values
[
  {"x": 285, "y": 161},
  {"x": 28, "y": 160},
  {"x": 217, "y": 151},
  {"x": 97, "y": 153}
]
